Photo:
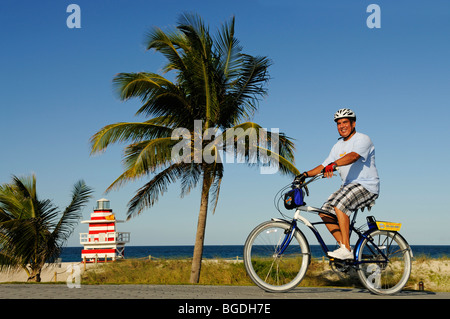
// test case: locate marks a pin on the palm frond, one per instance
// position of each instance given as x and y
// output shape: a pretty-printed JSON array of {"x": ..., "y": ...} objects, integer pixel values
[
  {"x": 140, "y": 85},
  {"x": 160, "y": 97},
  {"x": 277, "y": 161},
  {"x": 147, "y": 195},
  {"x": 252, "y": 79},
  {"x": 215, "y": 186},
  {"x": 256, "y": 146},
  {"x": 190, "y": 177},
  {"x": 81, "y": 194},
  {"x": 26, "y": 186},
  {"x": 242, "y": 96},
  {"x": 122, "y": 132},
  {"x": 147, "y": 156},
  {"x": 228, "y": 50},
  {"x": 143, "y": 158},
  {"x": 169, "y": 45}
]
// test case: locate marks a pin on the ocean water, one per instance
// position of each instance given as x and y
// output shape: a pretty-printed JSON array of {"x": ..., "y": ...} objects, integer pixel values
[{"x": 73, "y": 254}]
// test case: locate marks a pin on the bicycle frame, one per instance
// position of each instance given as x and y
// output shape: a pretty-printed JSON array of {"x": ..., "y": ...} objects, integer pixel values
[{"x": 305, "y": 221}]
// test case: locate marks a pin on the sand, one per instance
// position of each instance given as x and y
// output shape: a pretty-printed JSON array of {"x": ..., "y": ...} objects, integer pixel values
[{"x": 62, "y": 271}]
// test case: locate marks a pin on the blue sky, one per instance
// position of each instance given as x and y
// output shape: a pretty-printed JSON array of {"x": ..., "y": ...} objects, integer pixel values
[{"x": 56, "y": 92}]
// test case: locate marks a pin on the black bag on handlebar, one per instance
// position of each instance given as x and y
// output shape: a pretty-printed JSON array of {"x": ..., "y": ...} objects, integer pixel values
[{"x": 293, "y": 198}]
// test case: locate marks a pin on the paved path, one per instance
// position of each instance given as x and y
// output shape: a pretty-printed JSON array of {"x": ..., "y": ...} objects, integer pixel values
[
  {"x": 189, "y": 292},
  {"x": 193, "y": 301}
]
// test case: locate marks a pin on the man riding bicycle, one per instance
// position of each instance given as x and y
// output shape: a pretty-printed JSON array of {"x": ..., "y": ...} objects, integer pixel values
[{"x": 353, "y": 156}]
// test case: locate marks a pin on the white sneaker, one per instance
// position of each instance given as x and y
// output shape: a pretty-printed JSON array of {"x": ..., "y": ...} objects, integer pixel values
[{"x": 341, "y": 253}]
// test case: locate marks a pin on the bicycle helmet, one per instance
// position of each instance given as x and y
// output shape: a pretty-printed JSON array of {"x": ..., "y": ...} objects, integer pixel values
[{"x": 344, "y": 113}]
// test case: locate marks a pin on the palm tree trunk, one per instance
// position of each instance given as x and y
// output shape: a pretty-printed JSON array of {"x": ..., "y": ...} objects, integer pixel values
[
  {"x": 35, "y": 275},
  {"x": 201, "y": 226},
  {"x": 27, "y": 271}
]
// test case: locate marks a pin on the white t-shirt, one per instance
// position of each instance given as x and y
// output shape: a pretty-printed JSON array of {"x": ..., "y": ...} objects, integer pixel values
[{"x": 363, "y": 171}]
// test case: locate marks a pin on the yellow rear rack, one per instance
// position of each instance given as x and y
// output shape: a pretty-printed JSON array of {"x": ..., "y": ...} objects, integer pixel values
[{"x": 388, "y": 226}]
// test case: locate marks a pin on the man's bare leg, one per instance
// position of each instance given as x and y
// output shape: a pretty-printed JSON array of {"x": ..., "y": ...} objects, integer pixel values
[
  {"x": 344, "y": 227},
  {"x": 334, "y": 229}
]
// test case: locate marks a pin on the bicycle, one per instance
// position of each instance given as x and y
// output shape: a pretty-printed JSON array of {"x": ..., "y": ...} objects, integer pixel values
[{"x": 277, "y": 253}]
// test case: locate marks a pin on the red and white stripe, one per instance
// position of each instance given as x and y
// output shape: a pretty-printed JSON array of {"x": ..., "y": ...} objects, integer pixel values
[
  {"x": 102, "y": 228},
  {"x": 98, "y": 253},
  {"x": 100, "y": 214}
]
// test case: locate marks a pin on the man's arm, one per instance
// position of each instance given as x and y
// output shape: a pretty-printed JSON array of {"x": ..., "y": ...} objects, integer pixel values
[
  {"x": 315, "y": 171},
  {"x": 348, "y": 159}
]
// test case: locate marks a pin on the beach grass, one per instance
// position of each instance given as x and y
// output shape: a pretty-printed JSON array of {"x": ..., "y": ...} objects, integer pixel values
[
  {"x": 166, "y": 272},
  {"x": 433, "y": 273}
]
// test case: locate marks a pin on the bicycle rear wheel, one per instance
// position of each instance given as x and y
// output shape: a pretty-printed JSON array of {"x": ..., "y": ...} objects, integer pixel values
[
  {"x": 381, "y": 276},
  {"x": 270, "y": 269}
]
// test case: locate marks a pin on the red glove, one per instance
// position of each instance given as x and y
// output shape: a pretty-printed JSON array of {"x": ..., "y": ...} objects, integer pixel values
[{"x": 330, "y": 168}]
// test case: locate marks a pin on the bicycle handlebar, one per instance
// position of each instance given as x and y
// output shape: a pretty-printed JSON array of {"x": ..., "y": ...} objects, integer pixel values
[
  {"x": 297, "y": 183},
  {"x": 313, "y": 178}
]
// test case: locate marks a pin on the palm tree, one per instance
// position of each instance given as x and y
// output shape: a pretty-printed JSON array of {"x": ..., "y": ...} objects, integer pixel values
[
  {"x": 216, "y": 90},
  {"x": 33, "y": 231}
]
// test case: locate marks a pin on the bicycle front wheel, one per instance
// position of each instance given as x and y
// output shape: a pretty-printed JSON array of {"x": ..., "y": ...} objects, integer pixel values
[
  {"x": 270, "y": 269},
  {"x": 384, "y": 262}
]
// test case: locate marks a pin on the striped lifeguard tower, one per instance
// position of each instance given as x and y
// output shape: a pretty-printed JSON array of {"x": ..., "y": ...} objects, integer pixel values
[{"x": 103, "y": 242}]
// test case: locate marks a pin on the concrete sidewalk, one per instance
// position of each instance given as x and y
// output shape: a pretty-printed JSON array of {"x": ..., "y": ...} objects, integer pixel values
[{"x": 186, "y": 292}]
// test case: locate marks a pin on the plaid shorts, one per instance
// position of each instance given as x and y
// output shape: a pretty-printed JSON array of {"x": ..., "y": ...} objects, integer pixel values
[{"x": 350, "y": 198}]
